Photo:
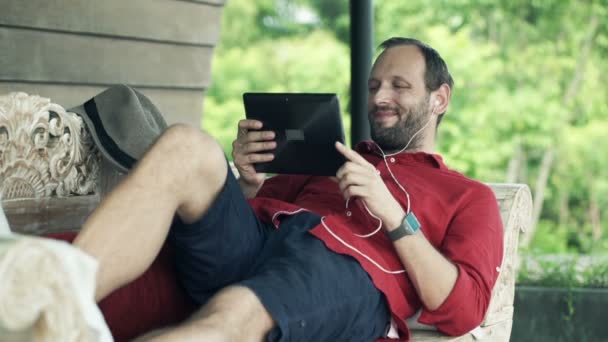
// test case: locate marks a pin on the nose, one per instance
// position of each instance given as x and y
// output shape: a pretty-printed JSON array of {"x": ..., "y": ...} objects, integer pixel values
[{"x": 382, "y": 96}]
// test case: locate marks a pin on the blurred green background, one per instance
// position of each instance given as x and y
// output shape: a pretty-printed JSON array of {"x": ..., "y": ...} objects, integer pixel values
[{"x": 529, "y": 104}]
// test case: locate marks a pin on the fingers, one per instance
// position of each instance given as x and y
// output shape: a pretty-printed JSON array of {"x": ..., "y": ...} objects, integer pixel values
[
  {"x": 353, "y": 167},
  {"x": 350, "y": 154},
  {"x": 351, "y": 179},
  {"x": 247, "y": 125},
  {"x": 248, "y": 130},
  {"x": 354, "y": 191},
  {"x": 256, "y": 136},
  {"x": 355, "y": 179},
  {"x": 246, "y": 147},
  {"x": 355, "y": 164},
  {"x": 257, "y": 146},
  {"x": 249, "y": 147},
  {"x": 252, "y": 141},
  {"x": 246, "y": 160}
]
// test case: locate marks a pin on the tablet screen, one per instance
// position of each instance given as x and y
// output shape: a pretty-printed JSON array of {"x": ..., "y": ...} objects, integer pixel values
[{"x": 306, "y": 127}]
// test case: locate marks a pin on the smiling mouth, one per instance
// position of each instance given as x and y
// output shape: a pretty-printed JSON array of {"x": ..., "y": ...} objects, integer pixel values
[{"x": 383, "y": 115}]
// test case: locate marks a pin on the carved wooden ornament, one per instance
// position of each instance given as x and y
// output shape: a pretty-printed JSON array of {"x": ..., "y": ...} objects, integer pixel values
[{"x": 44, "y": 150}]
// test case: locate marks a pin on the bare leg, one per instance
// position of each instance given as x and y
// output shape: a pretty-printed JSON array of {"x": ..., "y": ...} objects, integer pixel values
[
  {"x": 183, "y": 172},
  {"x": 234, "y": 314}
]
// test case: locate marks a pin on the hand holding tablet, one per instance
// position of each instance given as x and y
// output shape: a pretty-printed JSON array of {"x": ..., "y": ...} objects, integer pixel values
[
  {"x": 305, "y": 127},
  {"x": 251, "y": 146}
]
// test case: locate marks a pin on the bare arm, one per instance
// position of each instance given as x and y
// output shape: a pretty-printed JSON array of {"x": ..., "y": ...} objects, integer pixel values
[{"x": 432, "y": 274}]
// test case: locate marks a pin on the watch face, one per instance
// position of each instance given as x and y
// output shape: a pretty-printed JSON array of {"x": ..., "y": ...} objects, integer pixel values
[{"x": 411, "y": 224}]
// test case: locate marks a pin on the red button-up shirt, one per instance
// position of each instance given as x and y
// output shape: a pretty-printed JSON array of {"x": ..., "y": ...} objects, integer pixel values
[{"x": 459, "y": 216}]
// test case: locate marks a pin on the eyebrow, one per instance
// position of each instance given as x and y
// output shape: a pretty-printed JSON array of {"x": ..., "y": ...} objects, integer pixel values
[{"x": 394, "y": 78}]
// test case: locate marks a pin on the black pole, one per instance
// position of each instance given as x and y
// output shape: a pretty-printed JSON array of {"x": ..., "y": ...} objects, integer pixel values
[{"x": 361, "y": 48}]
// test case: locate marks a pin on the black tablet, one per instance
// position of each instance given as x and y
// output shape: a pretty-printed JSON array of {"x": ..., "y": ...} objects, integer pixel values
[{"x": 306, "y": 127}]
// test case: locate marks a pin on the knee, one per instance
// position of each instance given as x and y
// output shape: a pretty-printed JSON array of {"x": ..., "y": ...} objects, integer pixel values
[
  {"x": 237, "y": 306},
  {"x": 191, "y": 148}
]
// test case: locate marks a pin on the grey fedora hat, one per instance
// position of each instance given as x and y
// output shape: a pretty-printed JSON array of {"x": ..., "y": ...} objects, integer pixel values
[{"x": 123, "y": 123}]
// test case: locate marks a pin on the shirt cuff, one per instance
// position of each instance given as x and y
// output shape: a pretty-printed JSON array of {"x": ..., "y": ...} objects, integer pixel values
[{"x": 457, "y": 312}]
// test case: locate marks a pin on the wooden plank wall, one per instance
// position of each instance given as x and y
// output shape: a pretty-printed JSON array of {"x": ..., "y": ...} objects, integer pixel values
[{"x": 70, "y": 50}]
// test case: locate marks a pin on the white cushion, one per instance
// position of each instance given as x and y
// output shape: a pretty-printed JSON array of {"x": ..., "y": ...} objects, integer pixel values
[{"x": 47, "y": 292}]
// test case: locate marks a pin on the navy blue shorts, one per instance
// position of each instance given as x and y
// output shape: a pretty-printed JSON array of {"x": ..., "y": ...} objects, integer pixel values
[{"x": 311, "y": 292}]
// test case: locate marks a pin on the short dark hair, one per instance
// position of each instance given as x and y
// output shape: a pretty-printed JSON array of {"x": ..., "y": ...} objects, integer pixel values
[{"x": 436, "y": 71}]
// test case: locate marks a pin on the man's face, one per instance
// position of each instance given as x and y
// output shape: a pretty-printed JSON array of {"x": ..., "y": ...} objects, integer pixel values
[{"x": 398, "y": 102}]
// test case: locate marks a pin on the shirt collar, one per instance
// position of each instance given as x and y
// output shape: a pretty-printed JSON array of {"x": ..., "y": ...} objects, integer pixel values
[{"x": 430, "y": 159}]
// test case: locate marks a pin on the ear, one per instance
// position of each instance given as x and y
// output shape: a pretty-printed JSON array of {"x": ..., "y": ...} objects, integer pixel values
[{"x": 441, "y": 99}]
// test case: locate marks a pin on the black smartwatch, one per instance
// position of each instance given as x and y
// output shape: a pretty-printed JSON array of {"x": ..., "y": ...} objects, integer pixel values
[{"x": 409, "y": 226}]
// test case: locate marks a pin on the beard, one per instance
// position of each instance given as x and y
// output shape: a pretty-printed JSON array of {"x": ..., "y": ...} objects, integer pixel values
[{"x": 395, "y": 138}]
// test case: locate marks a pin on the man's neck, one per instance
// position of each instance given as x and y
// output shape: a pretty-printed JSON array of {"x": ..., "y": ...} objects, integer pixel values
[
  {"x": 427, "y": 146},
  {"x": 411, "y": 150}
]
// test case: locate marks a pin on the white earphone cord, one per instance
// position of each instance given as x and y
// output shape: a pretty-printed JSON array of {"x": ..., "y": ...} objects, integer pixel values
[{"x": 407, "y": 195}]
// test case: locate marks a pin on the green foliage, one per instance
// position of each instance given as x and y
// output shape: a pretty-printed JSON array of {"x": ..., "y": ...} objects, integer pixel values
[
  {"x": 550, "y": 273},
  {"x": 550, "y": 239},
  {"x": 279, "y": 65},
  {"x": 529, "y": 76},
  {"x": 554, "y": 238},
  {"x": 566, "y": 271},
  {"x": 596, "y": 276}
]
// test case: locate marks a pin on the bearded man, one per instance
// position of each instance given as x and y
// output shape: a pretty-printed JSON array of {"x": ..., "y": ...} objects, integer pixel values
[{"x": 394, "y": 236}]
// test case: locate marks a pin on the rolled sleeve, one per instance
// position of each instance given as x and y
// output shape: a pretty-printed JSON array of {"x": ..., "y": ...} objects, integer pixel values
[
  {"x": 460, "y": 312},
  {"x": 474, "y": 243}
]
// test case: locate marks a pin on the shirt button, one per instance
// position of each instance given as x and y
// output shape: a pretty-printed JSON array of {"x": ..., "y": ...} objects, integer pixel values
[
  {"x": 392, "y": 160},
  {"x": 302, "y": 323},
  {"x": 349, "y": 214}
]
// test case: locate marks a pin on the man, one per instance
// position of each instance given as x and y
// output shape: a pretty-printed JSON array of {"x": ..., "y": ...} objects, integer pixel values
[{"x": 394, "y": 234}]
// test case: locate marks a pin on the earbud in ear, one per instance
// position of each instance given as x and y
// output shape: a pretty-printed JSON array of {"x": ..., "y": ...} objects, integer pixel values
[{"x": 435, "y": 105}]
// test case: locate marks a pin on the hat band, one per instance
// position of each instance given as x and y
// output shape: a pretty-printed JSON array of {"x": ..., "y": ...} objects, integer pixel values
[{"x": 104, "y": 138}]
